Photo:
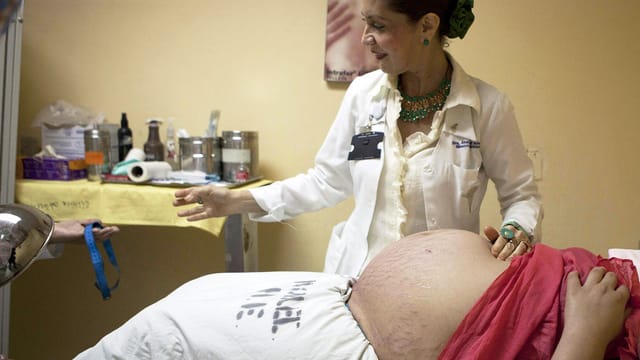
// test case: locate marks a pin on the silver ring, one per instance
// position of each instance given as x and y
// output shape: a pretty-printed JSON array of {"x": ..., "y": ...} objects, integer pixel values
[{"x": 199, "y": 200}]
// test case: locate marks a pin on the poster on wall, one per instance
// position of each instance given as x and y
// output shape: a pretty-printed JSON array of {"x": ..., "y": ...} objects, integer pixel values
[{"x": 345, "y": 55}]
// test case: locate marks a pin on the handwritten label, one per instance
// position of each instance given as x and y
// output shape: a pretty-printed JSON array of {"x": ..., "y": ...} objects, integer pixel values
[{"x": 57, "y": 205}]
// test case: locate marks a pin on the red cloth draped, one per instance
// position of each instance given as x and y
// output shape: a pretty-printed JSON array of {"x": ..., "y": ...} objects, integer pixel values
[{"x": 520, "y": 316}]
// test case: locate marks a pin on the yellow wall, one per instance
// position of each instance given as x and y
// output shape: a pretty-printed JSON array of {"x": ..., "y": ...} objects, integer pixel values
[{"x": 569, "y": 67}]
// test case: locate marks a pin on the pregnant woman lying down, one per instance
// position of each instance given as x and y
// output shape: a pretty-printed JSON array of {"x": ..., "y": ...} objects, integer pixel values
[{"x": 431, "y": 295}]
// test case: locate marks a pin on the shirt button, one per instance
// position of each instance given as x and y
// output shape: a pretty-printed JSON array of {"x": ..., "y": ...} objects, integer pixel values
[{"x": 429, "y": 170}]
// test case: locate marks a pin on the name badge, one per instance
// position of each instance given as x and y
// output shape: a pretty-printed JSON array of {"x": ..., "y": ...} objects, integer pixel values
[{"x": 366, "y": 146}]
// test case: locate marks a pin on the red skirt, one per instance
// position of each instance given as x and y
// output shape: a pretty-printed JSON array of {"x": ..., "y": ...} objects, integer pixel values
[{"x": 520, "y": 316}]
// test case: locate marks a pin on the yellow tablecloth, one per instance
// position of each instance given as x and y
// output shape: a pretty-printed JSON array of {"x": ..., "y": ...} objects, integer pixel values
[{"x": 120, "y": 204}]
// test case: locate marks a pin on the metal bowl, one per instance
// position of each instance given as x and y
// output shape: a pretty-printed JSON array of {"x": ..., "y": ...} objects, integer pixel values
[{"x": 24, "y": 232}]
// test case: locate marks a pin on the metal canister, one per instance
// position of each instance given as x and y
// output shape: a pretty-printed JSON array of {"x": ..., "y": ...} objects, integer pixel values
[
  {"x": 200, "y": 153},
  {"x": 96, "y": 152},
  {"x": 239, "y": 155}
]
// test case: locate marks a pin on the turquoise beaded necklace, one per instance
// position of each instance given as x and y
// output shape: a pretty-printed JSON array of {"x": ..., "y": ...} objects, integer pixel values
[{"x": 415, "y": 108}]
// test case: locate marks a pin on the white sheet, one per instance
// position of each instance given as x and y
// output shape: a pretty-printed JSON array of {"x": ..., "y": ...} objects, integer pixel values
[{"x": 244, "y": 316}]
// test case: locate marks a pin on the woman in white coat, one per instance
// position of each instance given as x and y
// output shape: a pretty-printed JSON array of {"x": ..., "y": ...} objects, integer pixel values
[{"x": 415, "y": 143}]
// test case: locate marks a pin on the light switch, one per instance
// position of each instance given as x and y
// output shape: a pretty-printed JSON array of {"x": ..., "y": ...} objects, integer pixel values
[{"x": 536, "y": 158}]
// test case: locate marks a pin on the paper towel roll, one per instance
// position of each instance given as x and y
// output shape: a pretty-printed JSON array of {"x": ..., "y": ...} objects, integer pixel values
[
  {"x": 135, "y": 154},
  {"x": 147, "y": 170}
]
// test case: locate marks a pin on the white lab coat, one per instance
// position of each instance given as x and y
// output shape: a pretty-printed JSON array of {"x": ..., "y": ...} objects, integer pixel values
[{"x": 480, "y": 141}]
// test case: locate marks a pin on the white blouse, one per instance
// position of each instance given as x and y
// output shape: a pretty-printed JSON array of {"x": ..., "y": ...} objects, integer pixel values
[{"x": 399, "y": 209}]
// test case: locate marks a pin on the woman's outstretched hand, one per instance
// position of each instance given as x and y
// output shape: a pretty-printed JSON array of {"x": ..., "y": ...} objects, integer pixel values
[
  {"x": 214, "y": 201},
  {"x": 211, "y": 202}
]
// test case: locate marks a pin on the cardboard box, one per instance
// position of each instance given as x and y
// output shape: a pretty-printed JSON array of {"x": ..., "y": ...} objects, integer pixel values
[
  {"x": 53, "y": 169},
  {"x": 67, "y": 141}
]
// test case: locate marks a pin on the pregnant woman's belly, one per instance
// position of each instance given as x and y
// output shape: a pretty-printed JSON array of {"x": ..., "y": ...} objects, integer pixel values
[{"x": 412, "y": 296}]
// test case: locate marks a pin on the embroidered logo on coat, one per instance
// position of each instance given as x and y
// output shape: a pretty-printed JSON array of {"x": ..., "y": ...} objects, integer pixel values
[{"x": 466, "y": 144}]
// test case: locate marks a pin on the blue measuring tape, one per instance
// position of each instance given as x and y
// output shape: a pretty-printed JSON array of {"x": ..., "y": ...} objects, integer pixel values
[{"x": 98, "y": 264}]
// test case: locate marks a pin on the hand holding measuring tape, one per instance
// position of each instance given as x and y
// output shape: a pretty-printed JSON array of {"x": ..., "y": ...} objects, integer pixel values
[{"x": 98, "y": 264}]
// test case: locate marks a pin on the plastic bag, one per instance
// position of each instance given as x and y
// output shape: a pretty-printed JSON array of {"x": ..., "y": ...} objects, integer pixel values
[{"x": 62, "y": 113}]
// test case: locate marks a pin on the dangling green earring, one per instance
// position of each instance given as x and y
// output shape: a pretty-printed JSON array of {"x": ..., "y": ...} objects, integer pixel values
[{"x": 425, "y": 42}]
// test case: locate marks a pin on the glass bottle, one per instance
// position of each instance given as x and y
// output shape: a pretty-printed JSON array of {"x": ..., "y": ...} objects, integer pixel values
[
  {"x": 96, "y": 154},
  {"x": 125, "y": 138},
  {"x": 153, "y": 148}
]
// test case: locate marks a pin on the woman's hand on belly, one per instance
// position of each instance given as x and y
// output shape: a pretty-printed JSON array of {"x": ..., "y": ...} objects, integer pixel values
[{"x": 506, "y": 249}]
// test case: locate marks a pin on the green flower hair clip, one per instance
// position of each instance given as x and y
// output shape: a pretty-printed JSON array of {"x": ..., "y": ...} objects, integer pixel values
[{"x": 461, "y": 19}]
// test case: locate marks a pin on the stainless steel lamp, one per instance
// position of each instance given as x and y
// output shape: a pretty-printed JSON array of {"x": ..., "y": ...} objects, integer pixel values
[{"x": 24, "y": 232}]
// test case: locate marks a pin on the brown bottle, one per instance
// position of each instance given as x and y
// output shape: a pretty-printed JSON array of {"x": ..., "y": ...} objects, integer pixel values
[{"x": 153, "y": 148}]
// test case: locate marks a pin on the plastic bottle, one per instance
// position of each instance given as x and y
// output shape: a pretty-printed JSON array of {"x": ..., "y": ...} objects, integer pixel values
[
  {"x": 153, "y": 148},
  {"x": 125, "y": 138},
  {"x": 171, "y": 157}
]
